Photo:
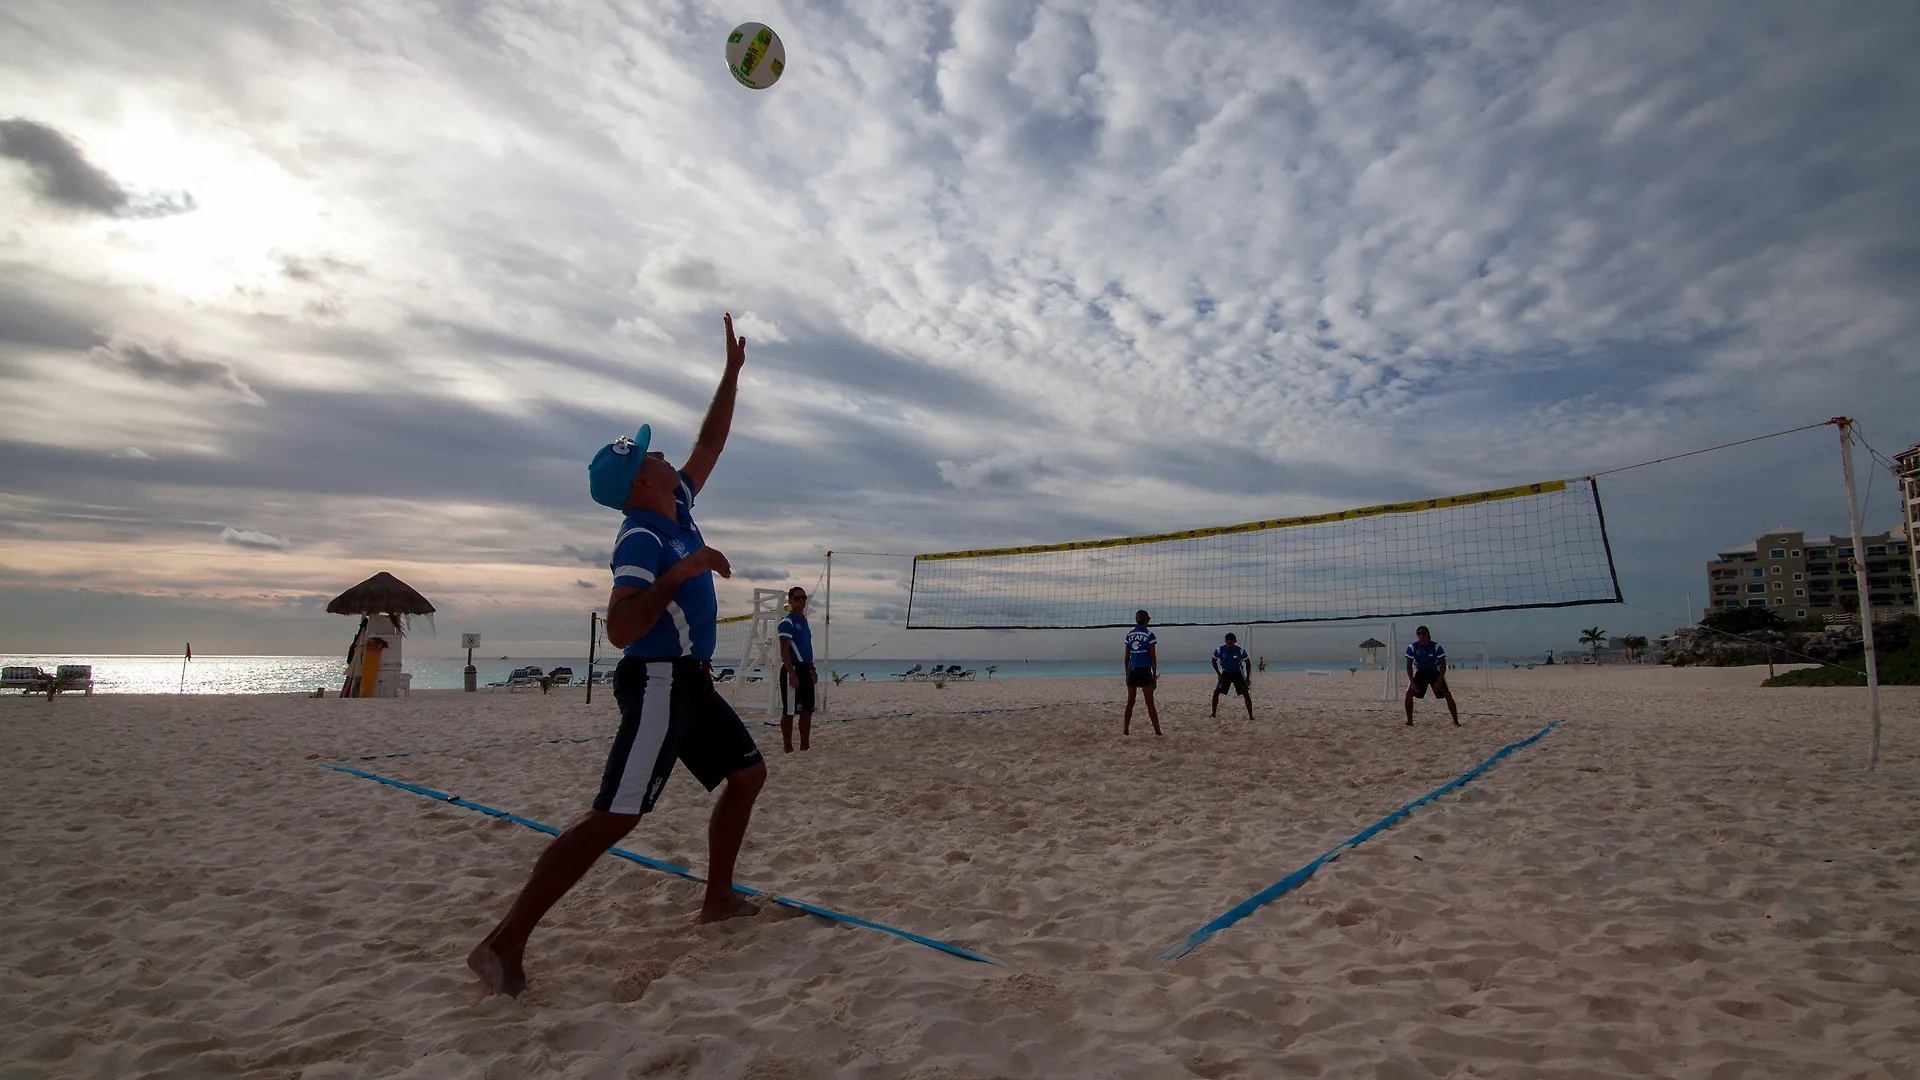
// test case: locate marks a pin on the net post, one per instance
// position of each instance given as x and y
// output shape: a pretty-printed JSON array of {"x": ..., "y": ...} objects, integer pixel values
[
  {"x": 826, "y": 635},
  {"x": 1845, "y": 424},
  {"x": 1393, "y": 659}
]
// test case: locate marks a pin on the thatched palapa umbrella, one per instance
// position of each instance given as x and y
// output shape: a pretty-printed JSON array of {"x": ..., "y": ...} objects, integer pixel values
[
  {"x": 382, "y": 595},
  {"x": 1372, "y": 647}
]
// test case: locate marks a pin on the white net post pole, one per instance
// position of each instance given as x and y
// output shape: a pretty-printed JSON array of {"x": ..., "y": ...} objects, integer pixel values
[
  {"x": 1393, "y": 659},
  {"x": 826, "y": 636},
  {"x": 1845, "y": 424},
  {"x": 1486, "y": 667}
]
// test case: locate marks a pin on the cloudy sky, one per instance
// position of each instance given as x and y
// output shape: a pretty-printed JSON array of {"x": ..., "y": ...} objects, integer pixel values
[{"x": 294, "y": 292}]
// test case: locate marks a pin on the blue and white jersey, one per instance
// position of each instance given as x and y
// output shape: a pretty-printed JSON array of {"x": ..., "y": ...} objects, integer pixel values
[
  {"x": 1426, "y": 657},
  {"x": 1232, "y": 659},
  {"x": 794, "y": 629},
  {"x": 1139, "y": 641},
  {"x": 645, "y": 548}
]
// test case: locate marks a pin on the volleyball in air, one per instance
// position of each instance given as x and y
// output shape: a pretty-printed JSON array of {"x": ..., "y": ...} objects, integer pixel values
[{"x": 755, "y": 55}]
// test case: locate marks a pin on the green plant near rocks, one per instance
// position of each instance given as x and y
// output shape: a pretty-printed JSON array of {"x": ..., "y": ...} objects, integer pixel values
[{"x": 1897, "y": 648}]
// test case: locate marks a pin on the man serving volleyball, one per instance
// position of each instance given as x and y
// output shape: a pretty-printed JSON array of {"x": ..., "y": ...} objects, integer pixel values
[{"x": 661, "y": 614}]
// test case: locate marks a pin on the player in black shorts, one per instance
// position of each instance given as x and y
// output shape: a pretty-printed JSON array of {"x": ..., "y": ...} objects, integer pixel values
[
  {"x": 1230, "y": 673},
  {"x": 1427, "y": 669},
  {"x": 1142, "y": 665},
  {"x": 661, "y": 614},
  {"x": 797, "y": 675}
]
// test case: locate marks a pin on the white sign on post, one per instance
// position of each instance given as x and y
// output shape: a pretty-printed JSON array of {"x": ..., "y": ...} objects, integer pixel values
[{"x": 469, "y": 641}]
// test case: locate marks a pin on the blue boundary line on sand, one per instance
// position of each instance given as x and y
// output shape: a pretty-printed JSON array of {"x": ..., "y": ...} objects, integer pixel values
[
  {"x": 940, "y": 712},
  {"x": 670, "y": 868},
  {"x": 482, "y": 746},
  {"x": 1299, "y": 877}
]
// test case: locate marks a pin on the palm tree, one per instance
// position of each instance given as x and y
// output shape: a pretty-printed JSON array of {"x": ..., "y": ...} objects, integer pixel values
[
  {"x": 1595, "y": 637},
  {"x": 991, "y": 668},
  {"x": 1634, "y": 643}
]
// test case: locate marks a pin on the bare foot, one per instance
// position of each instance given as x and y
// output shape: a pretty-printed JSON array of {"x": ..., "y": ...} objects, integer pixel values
[
  {"x": 498, "y": 968},
  {"x": 732, "y": 906}
]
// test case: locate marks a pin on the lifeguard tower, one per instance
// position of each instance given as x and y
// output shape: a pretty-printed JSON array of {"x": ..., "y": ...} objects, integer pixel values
[
  {"x": 385, "y": 605},
  {"x": 760, "y": 658}
]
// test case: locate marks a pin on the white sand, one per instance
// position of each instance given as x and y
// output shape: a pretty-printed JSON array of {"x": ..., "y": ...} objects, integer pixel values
[{"x": 1692, "y": 877}]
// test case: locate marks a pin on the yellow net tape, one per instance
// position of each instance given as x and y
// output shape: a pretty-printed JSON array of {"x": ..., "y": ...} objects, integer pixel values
[{"x": 1414, "y": 507}]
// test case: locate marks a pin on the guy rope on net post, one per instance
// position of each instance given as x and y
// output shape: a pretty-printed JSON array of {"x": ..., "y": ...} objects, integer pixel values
[{"x": 1845, "y": 424}]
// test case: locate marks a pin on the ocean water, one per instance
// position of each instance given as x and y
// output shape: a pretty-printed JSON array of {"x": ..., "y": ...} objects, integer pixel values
[{"x": 304, "y": 674}]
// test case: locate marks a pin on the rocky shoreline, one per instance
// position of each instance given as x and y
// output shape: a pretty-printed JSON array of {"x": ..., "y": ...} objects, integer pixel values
[{"x": 1698, "y": 646}]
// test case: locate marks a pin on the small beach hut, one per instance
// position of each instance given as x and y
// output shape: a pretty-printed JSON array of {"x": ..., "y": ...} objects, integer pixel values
[
  {"x": 386, "y": 606},
  {"x": 1371, "y": 647}
]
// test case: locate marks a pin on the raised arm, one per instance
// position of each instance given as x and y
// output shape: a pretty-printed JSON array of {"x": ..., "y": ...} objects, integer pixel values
[{"x": 713, "y": 430}]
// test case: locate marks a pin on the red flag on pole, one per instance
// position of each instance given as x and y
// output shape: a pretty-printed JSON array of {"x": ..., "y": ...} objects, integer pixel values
[{"x": 189, "y": 650}]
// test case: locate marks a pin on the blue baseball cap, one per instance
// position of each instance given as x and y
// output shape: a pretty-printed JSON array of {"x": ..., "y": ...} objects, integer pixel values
[{"x": 614, "y": 467}]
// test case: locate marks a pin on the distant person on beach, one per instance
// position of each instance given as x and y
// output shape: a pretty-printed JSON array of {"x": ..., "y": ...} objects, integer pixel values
[
  {"x": 1427, "y": 667},
  {"x": 1142, "y": 665},
  {"x": 661, "y": 614},
  {"x": 1263, "y": 663},
  {"x": 796, "y": 670},
  {"x": 1230, "y": 671}
]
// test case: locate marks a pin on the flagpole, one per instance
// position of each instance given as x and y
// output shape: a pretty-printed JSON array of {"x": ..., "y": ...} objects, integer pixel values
[{"x": 183, "y": 668}]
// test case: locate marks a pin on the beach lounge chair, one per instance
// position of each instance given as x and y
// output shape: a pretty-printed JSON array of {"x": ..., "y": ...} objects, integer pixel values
[
  {"x": 723, "y": 674},
  {"x": 21, "y": 678},
  {"x": 911, "y": 673},
  {"x": 967, "y": 674},
  {"x": 524, "y": 678},
  {"x": 561, "y": 676},
  {"x": 76, "y": 677}
]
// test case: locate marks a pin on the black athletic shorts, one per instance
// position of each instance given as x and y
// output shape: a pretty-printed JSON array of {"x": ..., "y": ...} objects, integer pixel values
[
  {"x": 1140, "y": 676},
  {"x": 669, "y": 711},
  {"x": 1234, "y": 682},
  {"x": 802, "y": 702},
  {"x": 1424, "y": 679}
]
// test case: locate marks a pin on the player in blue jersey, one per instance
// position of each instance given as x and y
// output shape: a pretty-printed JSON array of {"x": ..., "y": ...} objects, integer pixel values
[
  {"x": 661, "y": 613},
  {"x": 1230, "y": 671},
  {"x": 1141, "y": 661},
  {"x": 1427, "y": 667},
  {"x": 797, "y": 675}
]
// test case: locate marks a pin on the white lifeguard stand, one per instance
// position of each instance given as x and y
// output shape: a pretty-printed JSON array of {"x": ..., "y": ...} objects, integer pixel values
[
  {"x": 762, "y": 653},
  {"x": 389, "y": 680}
]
